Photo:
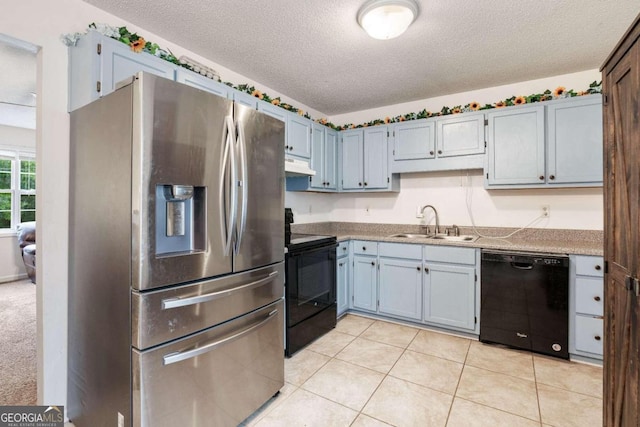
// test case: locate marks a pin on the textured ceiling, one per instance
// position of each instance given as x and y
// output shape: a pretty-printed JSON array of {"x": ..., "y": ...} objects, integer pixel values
[{"x": 315, "y": 52}]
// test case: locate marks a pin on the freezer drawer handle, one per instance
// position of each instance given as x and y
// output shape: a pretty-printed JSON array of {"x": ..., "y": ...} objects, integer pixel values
[
  {"x": 189, "y": 354},
  {"x": 182, "y": 302}
]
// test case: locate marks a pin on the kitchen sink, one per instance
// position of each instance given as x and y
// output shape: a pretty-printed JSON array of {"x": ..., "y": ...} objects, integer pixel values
[{"x": 462, "y": 238}]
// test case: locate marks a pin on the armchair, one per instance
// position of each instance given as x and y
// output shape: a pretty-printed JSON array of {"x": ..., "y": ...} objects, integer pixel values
[{"x": 27, "y": 243}]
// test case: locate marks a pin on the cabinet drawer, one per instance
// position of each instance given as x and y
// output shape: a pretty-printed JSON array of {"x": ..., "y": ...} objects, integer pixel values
[
  {"x": 401, "y": 250},
  {"x": 589, "y": 296},
  {"x": 590, "y": 266},
  {"x": 450, "y": 254},
  {"x": 363, "y": 247},
  {"x": 589, "y": 334},
  {"x": 343, "y": 249}
]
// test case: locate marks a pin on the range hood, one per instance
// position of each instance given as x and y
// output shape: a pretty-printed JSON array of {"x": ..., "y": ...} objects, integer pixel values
[{"x": 297, "y": 168}]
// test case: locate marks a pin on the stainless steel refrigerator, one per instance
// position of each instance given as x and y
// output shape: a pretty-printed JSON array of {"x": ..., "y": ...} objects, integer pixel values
[{"x": 176, "y": 271}]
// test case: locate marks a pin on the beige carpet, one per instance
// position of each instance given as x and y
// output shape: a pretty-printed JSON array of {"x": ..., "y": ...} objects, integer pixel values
[{"x": 18, "y": 343}]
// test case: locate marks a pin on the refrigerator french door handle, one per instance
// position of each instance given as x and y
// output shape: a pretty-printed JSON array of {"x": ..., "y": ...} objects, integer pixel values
[
  {"x": 244, "y": 183},
  {"x": 228, "y": 158},
  {"x": 189, "y": 354},
  {"x": 198, "y": 299}
]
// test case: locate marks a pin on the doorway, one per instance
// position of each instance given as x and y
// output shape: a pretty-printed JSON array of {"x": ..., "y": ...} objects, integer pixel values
[{"x": 18, "y": 341}]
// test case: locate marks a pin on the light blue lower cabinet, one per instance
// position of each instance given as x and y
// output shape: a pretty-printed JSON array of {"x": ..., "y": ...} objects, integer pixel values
[
  {"x": 450, "y": 295},
  {"x": 342, "y": 284},
  {"x": 400, "y": 288},
  {"x": 365, "y": 283}
]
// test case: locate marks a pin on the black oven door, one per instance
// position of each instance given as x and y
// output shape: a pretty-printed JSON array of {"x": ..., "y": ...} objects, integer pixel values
[{"x": 311, "y": 282}]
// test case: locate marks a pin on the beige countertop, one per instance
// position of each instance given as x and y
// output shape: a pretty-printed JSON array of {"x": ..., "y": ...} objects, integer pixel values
[{"x": 556, "y": 241}]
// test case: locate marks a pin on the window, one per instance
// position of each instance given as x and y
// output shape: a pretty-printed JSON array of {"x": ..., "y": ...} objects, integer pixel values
[{"x": 17, "y": 188}]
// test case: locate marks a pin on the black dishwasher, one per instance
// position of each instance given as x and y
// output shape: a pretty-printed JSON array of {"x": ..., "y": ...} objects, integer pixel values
[{"x": 525, "y": 301}]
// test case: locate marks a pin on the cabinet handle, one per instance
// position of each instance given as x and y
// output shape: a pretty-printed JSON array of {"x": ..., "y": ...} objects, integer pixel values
[
  {"x": 552, "y": 177},
  {"x": 597, "y": 298},
  {"x": 328, "y": 184},
  {"x": 359, "y": 184},
  {"x": 340, "y": 265},
  {"x": 290, "y": 148},
  {"x": 431, "y": 153},
  {"x": 598, "y": 267},
  {"x": 597, "y": 338},
  {"x": 344, "y": 248},
  {"x": 426, "y": 270},
  {"x": 418, "y": 268},
  {"x": 286, "y": 147},
  {"x": 364, "y": 248},
  {"x": 541, "y": 177},
  {"x": 439, "y": 151},
  {"x": 373, "y": 263},
  {"x": 365, "y": 184}
]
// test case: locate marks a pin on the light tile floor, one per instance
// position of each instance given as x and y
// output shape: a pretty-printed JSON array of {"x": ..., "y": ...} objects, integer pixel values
[{"x": 374, "y": 373}]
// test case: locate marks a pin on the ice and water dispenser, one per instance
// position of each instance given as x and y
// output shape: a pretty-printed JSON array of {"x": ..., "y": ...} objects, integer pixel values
[{"x": 180, "y": 219}]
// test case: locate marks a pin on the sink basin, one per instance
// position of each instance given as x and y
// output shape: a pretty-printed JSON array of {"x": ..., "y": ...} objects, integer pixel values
[{"x": 463, "y": 238}]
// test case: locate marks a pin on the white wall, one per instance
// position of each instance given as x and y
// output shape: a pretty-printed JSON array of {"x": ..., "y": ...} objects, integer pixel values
[
  {"x": 42, "y": 23},
  {"x": 11, "y": 265},
  {"x": 448, "y": 191}
]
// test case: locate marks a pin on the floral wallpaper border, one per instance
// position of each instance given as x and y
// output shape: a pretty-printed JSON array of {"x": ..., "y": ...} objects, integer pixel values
[{"x": 140, "y": 44}]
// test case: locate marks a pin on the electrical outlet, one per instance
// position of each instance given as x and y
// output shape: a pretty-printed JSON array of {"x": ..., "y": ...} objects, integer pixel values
[{"x": 546, "y": 211}]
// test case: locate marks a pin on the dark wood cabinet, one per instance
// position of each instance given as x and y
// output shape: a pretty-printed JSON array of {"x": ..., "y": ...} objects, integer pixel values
[{"x": 621, "y": 89}]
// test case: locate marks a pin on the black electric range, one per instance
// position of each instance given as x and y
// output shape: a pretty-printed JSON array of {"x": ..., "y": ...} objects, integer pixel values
[{"x": 310, "y": 296}]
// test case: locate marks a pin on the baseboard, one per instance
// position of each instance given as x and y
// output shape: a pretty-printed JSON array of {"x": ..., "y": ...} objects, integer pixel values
[{"x": 13, "y": 277}]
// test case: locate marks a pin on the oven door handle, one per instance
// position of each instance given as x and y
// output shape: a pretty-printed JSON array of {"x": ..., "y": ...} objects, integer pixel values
[
  {"x": 179, "y": 356},
  {"x": 305, "y": 251},
  {"x": 198, "y": 299}
]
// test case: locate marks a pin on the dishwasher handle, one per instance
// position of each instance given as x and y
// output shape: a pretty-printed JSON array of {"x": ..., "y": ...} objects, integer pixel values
[{"x": 522, "y": 265}]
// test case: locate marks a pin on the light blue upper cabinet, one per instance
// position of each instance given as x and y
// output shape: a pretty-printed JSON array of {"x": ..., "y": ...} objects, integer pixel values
[
  {"x": 376, "y": 166},
  {"x": 414, "y": 140},
  {"x": 331, "y": 158},
  {"x": 460, "y": 135},
  {"x": 98, "y": 63},
  {"x": 273, "y": 111},
  {"x": 243, "y": 98},
  {"x": 515, "y": 147},
  {"x": 575, "y": 141},
  {"x": 299, "y": 135},
  {"x": 436, "y": 144},
  {"x": 203, "y": 83},
  {"x": 324, "y": 142},
  {"x": 352, "y": 160},
  {"x": 520, "y": 154}
]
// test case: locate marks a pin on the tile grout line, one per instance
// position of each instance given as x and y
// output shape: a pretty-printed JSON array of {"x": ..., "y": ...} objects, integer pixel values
[
  {"x": 535, "y": 379},
  {"x": 455, "y": 392}
]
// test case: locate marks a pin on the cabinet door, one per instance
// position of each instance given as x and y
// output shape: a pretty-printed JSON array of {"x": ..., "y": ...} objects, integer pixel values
[
  {"x": 245, "y": 99},
  {"x": 449, "y": 295},
  {"x": 461, "y": 135},
  {"x": 375, "y": 158},
  {"x": 192, "y": 79},
  {"x": 273, "y": 111},
  {"x": 401, "y": 288},
  {"x": 299, "y": 135},
  {"x": 330, "y": 159},
  {"x": 317, "y": 156},
  {"x": 364, "y": 293},
  {"x": 516, "y": 146},
  {"x": 352, "y": 160},
  {"x": 343, "y": 284},
  {"x": 575, "y": 141},
  {"x": 414, "y": 140},
  {"x": 119, "y": 62},
  {"x": 589, "y": 332}
]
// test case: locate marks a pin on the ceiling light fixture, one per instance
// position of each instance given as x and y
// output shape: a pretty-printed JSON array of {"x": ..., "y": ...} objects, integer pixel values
[{"x": 387, "y": 19}]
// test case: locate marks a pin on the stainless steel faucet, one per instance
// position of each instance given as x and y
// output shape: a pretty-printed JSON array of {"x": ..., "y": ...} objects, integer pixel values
[{"x": 435, "y": 212}]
